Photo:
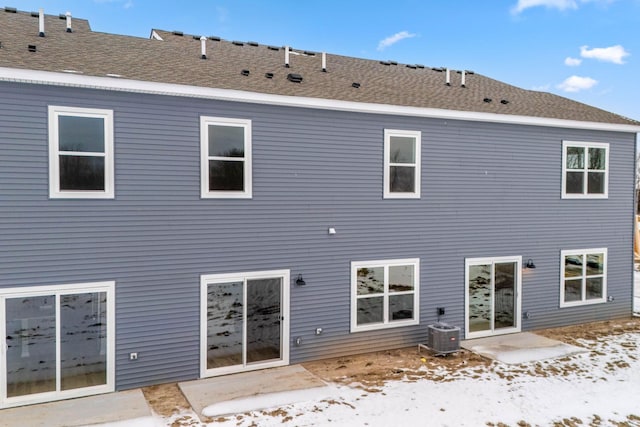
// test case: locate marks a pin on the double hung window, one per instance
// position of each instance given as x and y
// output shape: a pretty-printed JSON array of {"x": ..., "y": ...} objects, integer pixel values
[
  {"x": 585, "y": 169},
  {"x": 402, "y": 164}
]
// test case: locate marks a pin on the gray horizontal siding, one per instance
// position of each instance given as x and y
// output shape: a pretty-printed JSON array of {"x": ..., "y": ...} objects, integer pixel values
[{"x": 487, "y": 190}]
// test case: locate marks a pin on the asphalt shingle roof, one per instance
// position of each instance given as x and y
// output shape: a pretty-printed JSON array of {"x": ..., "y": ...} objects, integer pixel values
[{"x": 177, "y": 59}]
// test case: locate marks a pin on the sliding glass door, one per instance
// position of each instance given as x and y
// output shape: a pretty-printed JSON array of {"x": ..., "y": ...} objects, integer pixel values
[
  {"x": 58, "y": 342},
  {"x": 492, "y": 296},
  {"x": 244, "y": 322}
]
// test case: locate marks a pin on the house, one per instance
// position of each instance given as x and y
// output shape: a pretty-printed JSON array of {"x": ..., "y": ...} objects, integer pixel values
[{"x": 183, "y": 206}]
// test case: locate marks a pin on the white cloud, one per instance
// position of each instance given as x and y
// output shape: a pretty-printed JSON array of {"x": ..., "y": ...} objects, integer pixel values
[
  {"x": 572, "y": 62},
  {"x": 391, "y": 40},
  {"x": 577, "y": 84},
  {"x": 614, "y": 54},
  {"x": 550, "y": 4},
  {"x": 554, "y": 4}
]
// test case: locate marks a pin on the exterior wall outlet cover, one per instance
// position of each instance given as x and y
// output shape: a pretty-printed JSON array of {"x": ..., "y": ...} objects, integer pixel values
[
  {"x": 133, "y": 356},
  {"x": 332, "y": 230}
]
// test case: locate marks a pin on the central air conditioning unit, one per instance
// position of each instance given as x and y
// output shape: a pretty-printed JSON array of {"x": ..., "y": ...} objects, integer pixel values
[{"x": 443, "y": 338}]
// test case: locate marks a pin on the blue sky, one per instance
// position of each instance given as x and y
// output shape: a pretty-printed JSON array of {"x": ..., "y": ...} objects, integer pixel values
[{"x": 587, "y": 50}]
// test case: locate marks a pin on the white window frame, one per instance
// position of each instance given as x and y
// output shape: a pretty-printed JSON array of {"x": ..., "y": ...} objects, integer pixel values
[
  {"x": 386, "y": 323},
  {"x": 54, "y": 153},
  {"x": 584, "y": 170},
  {"x": 211, "y": 279},
  {"x": 109, "y": 288},
  {"x": 205, "y": 193},
  {"x": 584, "y": 300},
  {"x": 417, "y": 135}
]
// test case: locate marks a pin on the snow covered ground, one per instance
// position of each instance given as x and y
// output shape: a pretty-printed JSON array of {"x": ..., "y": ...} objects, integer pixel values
[{"x": 600, "y": 388}]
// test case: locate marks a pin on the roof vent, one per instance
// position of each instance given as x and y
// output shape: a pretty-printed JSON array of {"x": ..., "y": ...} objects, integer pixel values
[
  {"x": 32, "y": 48},
  {"x": 286, "y": 57},
  {"x": 355, "y": 85},
  {"x": 68, "y": 16},
  {"x": 487, "y": 100},
  {"x": 438, "y": 69},
  {"x": 295, "y": 78},
  {"x": 255, "y": 44},
  {"x": 419, "y": 66},
  {"x": 393, "y": 62},
  {"x": 214, "y": 38},
  {"x": 245, "y": 72},
  {"x": 504, "y": 102},
  {"x": 268, "y": 75},
  {"x": 237, "y": 43},
  {"x": 196, "y": 37},
  {"x": 10, "y": 9},
  {"x": 203, "y": 47},
  {"x": 413, "y": 67},
  {"x": 385, "y": 62},
  {"x": 41, "y": 22},
  {"x": 35, "y": 14},
  {"x": 324, "y": 62},
  {"x": 62, "y": 16},
  {"x": 448, "y": 77},
  {"x": 469, "y": 72},
  {"x": 178, "y": 33},
  {"x": 309, "y": 53},
  {"x": 273, "y": 48},
  {"x": 463, "y": 79}
]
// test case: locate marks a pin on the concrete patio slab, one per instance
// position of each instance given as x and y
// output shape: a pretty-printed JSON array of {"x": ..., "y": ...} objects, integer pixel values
[
  {"x": 521, "y": 347},
  {"x": 235, "y": 393},
  {"x": 100, "y": 409}
]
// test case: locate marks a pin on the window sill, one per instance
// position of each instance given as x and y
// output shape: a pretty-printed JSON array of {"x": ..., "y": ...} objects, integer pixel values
[{"x": 379, "y": 326}]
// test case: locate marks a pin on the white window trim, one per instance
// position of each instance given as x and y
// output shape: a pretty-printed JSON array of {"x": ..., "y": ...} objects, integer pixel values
[
  {"x": 584, "y": 300},
  {"x": 205, "y": 121},
  {"x": 355, "y": 265},
  {"x": 208, "y": 279},
  {"x": 109, "y": 288},
  {"x": 388, "y": 133},
  {"x": 586, "y": 146},
  {"x": 54, "y": 152}
]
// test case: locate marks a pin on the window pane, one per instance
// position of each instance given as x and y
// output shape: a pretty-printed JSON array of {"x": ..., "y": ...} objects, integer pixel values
[
  {"x": 263, "y": 319},
  {"x": 480, "y": 301},
  {"x": 401, "y": 278},
  {"x": 226, "y": 141},
  {"x": 575, "y": 158},
  {"x": 401, "y": 307},
  {"x": 226, "y": 175},
  {"x": 595, "y": 264},
  {"x": 83, "y": 340},
  {"x": 573, "y": 290},
  {"x": 83, "y": 173},
  {"x": 84, "y": 134},
  {"x": 573, "y": 265},
  {"x": 504, "y": 298},
  {"x": 402, "y": 179},
  {"x": 224, "y": 324},
  {"x": 575, "y": 183},
  {"x": 31, "y": 345},
  {"x": 595, "y": 184},
  {"x": 597, "y": 157},
  {"x": 402, "y": 149},
  {"x": 594, "y": 288},
  {"x": 370, "y": 280},
  {"x": 370, "y": 310}
]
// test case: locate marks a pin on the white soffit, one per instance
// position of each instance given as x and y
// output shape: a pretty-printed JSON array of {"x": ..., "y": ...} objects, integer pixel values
[{"x": 139, "y": 86}]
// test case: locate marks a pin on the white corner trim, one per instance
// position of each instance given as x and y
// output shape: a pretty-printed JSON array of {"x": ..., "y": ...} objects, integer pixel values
[{"x": 170, "y": 89}]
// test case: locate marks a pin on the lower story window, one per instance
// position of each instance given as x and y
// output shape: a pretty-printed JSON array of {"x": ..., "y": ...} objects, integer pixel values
[
  {"x": 384, "y": 294},
  {"x": 59, "y": 342},
  {"x": 583, "y": 277}
]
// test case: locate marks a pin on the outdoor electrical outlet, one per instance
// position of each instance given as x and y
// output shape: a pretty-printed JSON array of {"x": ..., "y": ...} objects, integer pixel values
[
  {"x": 440, "y": 311},
  {"x": 133, "y": 356},
  {"x": 318, "y": 331}
]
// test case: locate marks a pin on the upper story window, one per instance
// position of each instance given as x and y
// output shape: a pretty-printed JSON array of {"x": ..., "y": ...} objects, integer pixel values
[
  {"x": 80, "y": 153},
  {"x": 583, "y": 277},
  {"x": 225, "y": 157},
  {"x": 384, "y": 294},
  {"x": 585, "y": 169},
  {"x": 402, "y": 164}
]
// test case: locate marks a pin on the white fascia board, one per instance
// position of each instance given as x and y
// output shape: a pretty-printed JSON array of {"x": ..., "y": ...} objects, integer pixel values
[{"x": 170, "y": 89}]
